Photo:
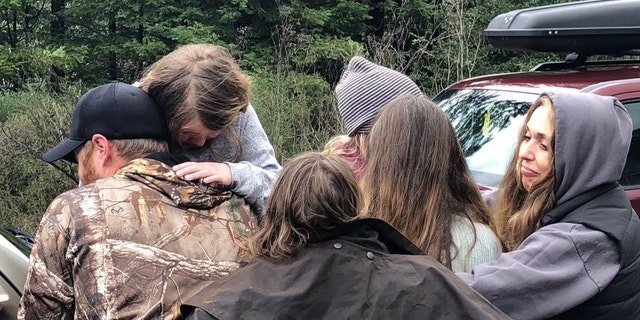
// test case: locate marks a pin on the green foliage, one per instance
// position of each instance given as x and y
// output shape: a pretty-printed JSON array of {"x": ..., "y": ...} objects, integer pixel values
[
  {"x": 324, "y": 56},
  {"x": 301, "y": 44},
  {"x": 49, "y": 66},
  {"x": 320, "y": 47},
  {"x": 296, "y": 110},
  {"x": 28, "y": 184},
  {"x": 294, "y": 50}
]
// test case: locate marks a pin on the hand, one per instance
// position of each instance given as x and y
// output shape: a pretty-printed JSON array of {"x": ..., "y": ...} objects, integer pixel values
[{"x": 207, "y": 171}]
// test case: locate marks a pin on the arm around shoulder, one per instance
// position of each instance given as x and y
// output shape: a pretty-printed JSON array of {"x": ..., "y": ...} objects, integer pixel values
[
  {"x": 258, "y": 168},
  {"x": 555, "y": 269}
]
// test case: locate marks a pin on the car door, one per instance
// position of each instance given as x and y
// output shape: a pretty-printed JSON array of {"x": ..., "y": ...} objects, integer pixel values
[
  {"x": 14, "y": 261},
  {"x": 630, "y": 179},
  {"x": 628, "y": 92}
]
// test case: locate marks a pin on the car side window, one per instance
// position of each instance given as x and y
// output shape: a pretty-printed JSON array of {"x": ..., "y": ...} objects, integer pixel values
[{"x": 631, "y": 172}]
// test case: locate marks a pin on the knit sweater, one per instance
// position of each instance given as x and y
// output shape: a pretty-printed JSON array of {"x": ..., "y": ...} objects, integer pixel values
[{"x": 487, "y": 246}]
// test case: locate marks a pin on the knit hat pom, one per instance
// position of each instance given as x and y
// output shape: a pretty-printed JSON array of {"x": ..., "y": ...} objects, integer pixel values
[{"x": 364, "y": 88}]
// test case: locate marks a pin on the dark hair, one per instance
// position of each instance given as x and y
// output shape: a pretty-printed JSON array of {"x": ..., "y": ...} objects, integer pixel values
[{"x": 313, "y": 192}]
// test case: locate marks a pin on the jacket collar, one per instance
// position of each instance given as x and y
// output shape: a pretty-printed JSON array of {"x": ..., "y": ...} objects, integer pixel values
[{"x": 369, "y": 232}]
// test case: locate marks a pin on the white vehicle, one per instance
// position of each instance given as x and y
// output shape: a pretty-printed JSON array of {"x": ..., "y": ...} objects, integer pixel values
[{"x": 15, "y": 247}]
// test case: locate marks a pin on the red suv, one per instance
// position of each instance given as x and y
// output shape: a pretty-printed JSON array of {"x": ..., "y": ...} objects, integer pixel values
[{"x": 487, "y": 111}]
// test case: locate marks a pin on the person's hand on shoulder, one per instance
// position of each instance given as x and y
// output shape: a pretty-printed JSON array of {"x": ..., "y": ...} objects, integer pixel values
[{"x": 209, "y": 172}]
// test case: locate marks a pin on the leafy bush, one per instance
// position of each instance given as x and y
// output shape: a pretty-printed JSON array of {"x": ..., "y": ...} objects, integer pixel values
[
  {"x": 36, "y": 121},
  {"x": 296, "y": 110},
  {"x": 48, "y": 66}
]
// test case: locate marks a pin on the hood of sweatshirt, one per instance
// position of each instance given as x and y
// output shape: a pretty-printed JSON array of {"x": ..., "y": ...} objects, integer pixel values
[{"x": 592, "y": 138}]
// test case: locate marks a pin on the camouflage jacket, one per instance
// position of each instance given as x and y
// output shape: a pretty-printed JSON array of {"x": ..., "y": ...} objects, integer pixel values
[{"x": 133, "y": 246}]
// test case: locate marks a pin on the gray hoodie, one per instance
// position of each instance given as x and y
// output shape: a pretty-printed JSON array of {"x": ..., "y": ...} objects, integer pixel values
[
  {"x": 562, "y": 265},
  {"x": 256, "y": 170}
]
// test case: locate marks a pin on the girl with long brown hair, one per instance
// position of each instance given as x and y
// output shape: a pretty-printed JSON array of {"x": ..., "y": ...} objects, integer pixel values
[
  {"x": 416, "y": 178},
  {"x": 204, "y": 96}
]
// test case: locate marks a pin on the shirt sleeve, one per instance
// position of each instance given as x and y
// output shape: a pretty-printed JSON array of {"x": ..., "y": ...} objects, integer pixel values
[
  {"x": 48, "y": 292},
  {"x": 555, "y": 269},
  {"x": 258, "y": 169},
  {"x": 477, "y": 240}
]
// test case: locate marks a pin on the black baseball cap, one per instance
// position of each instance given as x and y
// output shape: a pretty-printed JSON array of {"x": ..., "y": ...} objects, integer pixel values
[{"x": 115, "y": 110}]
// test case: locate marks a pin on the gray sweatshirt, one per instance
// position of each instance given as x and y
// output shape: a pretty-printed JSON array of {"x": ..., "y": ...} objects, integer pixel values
[
  {"x": 257, "y": 168},
  {"x": 562, "y": 265}
]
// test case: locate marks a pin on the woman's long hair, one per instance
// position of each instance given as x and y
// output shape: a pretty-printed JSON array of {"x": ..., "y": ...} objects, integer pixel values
[
  {"x": 313, "y": 192},
  {"x": 416, "y": 177},
  {"x": 199, "y": 81},
  {"x": 519, "y": 212}
]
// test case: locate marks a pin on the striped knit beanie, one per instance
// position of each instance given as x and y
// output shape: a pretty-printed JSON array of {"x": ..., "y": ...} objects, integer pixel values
[{"x": 365, "y": 88}]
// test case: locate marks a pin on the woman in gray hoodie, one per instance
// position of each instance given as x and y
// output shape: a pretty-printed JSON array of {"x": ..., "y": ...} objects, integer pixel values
[{"x": 574, "y": 236}]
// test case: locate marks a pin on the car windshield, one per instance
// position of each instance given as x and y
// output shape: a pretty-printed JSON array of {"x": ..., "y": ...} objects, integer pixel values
[{"x": 487, "y": 123}]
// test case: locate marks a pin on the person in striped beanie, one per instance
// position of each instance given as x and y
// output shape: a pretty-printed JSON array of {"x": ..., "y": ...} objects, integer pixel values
[{"x": 363, "y": 89}]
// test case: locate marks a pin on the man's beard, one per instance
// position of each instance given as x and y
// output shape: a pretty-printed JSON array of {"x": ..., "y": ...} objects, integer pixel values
[{"x": 89, "y": 174}]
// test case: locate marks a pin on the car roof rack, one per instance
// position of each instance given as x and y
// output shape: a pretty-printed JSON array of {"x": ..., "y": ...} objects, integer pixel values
[
  {"x": 575, "y": 60},
  {"x": 586, "y": 27}
]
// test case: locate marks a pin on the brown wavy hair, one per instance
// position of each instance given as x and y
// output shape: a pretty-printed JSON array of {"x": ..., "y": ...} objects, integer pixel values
[
  {"x": 416, "y": 177},
  {"x": 313, "y": 192},
  {"x": 519, "y": 212},
  {"x": 199, "y": 81}
]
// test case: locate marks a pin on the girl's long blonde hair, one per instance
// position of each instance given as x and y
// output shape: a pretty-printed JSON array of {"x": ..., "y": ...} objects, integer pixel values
[{"x": 351, "y": 148}]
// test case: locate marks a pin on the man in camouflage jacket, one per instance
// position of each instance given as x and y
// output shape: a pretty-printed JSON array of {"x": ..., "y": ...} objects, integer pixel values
[{"x": 135, "y": 240}]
